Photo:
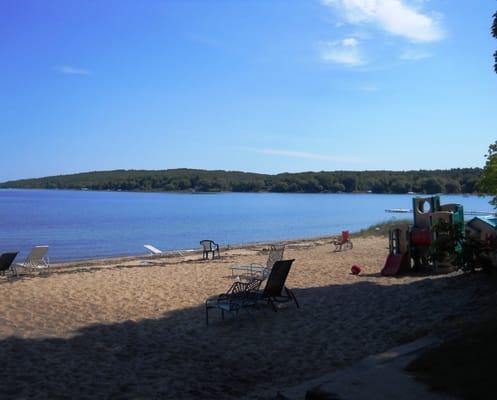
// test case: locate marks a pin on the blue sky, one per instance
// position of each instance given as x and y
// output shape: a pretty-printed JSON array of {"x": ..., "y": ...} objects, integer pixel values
[{"x": 253, "y": 85}]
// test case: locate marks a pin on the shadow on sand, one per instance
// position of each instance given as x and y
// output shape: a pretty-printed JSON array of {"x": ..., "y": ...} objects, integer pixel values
[{"x": 178, "y": 357}]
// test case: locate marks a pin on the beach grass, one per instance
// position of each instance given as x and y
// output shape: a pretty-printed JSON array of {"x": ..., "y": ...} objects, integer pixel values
[{"x": 381, "y": 229}]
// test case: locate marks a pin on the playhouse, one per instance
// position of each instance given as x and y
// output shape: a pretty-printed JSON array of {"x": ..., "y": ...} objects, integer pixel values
[
  {"x": 483, "y": 227},
  {"x": 409, "y": 244}
]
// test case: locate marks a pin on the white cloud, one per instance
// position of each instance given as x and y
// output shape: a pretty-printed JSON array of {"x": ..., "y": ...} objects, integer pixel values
[
  {"x": 307, "y": 155},
  {"x": 393, "y": 16},
  {"x": 414, "y": 55},
  {"x": 350, "y": 42},
  {"x": 68, "y": 70},
  {"x": 346, "y": 52}
]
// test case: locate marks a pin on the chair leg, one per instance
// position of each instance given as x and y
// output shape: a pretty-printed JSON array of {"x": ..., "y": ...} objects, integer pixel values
[
  {"x": 292, "y": 296},
  {"x": 273, "y": 305}
]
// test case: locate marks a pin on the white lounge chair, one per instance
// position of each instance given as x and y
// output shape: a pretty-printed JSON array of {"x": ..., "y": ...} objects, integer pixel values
[
  {"x": 155, "y": 251},
  {"x": 152, "y": 249},
  {"x": 36, "y": 260},
  {"x": 257, "y": 270}
]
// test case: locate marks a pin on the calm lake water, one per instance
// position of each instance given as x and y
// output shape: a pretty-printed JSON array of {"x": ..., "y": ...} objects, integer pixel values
[{"x": 84, "y": 224}]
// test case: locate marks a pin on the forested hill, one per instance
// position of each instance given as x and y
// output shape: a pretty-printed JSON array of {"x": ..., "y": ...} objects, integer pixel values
[{"x": 436, "y": 181}]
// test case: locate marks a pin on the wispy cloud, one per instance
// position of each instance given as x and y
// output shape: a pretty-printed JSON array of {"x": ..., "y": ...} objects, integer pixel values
[
  {"x": 69, "y": 70},
  {"x": 346, "y": 52},
  {"x": 307, "y": 155},
  {"x": 414, "y": 55},
  {"x": 393, "y": 16}
]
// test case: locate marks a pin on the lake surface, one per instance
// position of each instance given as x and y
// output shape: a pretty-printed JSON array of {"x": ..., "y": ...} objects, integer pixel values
[{"x": 85, "y": 224}]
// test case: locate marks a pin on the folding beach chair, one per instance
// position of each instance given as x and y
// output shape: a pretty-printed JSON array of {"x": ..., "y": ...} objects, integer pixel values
[
  {"x": 36, "y": 260},
  {"x": 152, "y": 249},
  {"x": 275, "y": 290},
  {"x": 343, "y": 242},
  {"x": 256, "y": 270},
  {"x": 6, "y": 260},
  {"x": 157, "y": 252}
]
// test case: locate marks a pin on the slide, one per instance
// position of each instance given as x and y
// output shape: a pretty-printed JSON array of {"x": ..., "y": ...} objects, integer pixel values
[{"x": 395, "y": 264}]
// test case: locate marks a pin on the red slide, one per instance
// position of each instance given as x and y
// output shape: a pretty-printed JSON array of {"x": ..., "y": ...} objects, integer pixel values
[{"x": 395, "y": 264}]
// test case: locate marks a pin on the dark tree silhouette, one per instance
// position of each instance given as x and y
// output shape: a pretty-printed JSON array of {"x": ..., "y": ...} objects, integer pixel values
[
  {"x": 494, "y": 33},
  {"x": 488, "y": 183}
]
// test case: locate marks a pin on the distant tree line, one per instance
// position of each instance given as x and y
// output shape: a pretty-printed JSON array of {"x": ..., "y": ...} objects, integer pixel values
[{"x": 459, "y": 180}]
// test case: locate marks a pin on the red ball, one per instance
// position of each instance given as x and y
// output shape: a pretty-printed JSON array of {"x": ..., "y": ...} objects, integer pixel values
[{"x": 355, "y": 270}]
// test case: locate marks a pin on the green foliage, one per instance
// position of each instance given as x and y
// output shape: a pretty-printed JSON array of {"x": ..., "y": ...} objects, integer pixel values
[
  {"x": 447, "y": 247},
  {"x": 488, "y": 183},
  {"x": 475, "y": 254},
  {"x": 452, "y": 186},
  {"x": 494, "y": 33},
  {"x": 191, "y": 180},
  {"x": 465, "y": 252},
  {"x": 381, "y": 229}
]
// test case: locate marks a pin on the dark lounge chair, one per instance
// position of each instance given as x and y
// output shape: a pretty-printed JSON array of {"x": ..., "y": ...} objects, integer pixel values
[
  {"x": 240, "y": 295},
  {"x": 6, "y": 260},
  {"x": 275, "y": 290},
  {"x": 209, "y": 246}
]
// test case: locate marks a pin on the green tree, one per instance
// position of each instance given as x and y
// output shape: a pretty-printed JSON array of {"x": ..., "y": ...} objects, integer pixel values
[
  {"x": 399, "y": 186},
  {"x": 452, "y": 186},
  {"x": 350, "y": 184},
  {"x": 494, "y": 33},
  {"x": 431, "y": 185},
  {"x": 280, "y": 187},
  {"x": 488, "y": 183}
]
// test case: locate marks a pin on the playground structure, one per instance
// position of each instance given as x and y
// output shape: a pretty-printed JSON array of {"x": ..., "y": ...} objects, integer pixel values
[
  {"x": 409, "y": 244},
  {"x": 483, "y": 227}
]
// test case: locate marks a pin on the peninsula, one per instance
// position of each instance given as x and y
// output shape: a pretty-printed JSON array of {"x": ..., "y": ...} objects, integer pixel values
[{"x": 453, "y": 181}]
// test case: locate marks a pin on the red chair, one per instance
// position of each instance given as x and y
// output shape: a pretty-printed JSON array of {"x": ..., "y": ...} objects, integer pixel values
[{"x": 343, "y": 242}]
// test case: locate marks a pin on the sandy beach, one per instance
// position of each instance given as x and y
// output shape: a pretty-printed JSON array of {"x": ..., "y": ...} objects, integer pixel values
[{"x": 135, "y": 328}]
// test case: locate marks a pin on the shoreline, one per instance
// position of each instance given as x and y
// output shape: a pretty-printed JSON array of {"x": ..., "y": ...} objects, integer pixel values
[
  {"x": 463, "y": 194},
  {"x": 170, "y": 254}
]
